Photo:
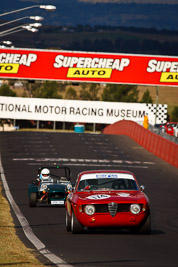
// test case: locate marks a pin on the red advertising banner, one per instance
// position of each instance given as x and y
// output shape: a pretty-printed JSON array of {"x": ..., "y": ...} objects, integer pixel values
[{"x": 88, "y": 67}]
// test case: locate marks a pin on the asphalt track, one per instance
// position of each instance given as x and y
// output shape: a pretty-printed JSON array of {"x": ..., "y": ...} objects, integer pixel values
[{"x": 23, "y": 152}]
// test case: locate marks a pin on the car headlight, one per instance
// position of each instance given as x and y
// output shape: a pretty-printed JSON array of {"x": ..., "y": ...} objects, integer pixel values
[
  {"x": 89, "y": 209},
  {"x": 135, "y": 208},
  {"x": 44, "y": 186}
]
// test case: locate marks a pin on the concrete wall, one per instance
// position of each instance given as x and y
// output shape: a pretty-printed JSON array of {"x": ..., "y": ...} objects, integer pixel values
[{"x": 154, "y": 143}]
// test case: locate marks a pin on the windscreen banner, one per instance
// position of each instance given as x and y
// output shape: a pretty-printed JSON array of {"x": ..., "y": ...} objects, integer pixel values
[
  {"x": 88, "y": 67},
  {"x": 79, "y": 111}
]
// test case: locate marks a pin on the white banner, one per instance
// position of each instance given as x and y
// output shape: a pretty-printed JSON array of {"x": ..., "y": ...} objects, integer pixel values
[{"x": 79, "y": 111}]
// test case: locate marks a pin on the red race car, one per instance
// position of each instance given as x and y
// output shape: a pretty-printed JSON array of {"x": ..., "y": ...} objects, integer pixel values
[
  {"x": 107, "y": 199},
  {"x": 169, "y": 127}
]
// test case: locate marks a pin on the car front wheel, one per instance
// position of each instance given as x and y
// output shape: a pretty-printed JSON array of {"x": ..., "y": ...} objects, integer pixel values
[
  {"x": 68, "y": 222},
  {"x": 144, "y": 228},
  {"x": 33, "y": 199},
  {"x": 76, "y": 227}
]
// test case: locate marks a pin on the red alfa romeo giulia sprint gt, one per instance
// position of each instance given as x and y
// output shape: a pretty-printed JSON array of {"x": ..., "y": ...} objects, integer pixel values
[{"x": 107, "y": 199}]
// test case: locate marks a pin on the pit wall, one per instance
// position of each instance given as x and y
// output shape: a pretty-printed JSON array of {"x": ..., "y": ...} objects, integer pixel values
[{"x": 154, "y": 143}]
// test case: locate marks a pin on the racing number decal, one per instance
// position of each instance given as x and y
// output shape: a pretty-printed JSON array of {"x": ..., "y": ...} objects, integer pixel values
[
  {"x": 98, "y": 197},
  {"x": 123, "y": 194},
  {"x": 9, "y": 68}
]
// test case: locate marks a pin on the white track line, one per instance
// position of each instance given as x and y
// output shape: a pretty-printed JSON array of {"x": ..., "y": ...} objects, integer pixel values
[
  {"x": 89, "y": 162},
  {"x": 27, "y": 228},
  {"x": 94, "y": 165},
  {"x": 85, "y": 160}
]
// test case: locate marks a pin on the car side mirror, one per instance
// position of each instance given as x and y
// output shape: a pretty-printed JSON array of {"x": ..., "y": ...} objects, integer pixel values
[{"x": 142, "y": 188}]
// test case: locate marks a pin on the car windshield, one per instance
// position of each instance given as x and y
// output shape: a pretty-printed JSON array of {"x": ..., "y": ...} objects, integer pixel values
[
  {"x": 109, "y": 183},
  {"x": 172, "y": 124}
]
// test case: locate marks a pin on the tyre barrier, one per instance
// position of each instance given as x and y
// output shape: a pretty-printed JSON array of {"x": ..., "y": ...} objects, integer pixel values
[{"x": 154, "y": 143}]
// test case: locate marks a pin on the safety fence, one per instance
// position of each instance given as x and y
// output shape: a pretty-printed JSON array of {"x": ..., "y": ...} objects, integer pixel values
[
  {"x": 154, "y": 143},
  {"x": 163, "y": 133}
]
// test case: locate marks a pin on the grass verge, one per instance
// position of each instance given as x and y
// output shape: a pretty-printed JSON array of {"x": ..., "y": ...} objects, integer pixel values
[{"x": 12, "y": 251}]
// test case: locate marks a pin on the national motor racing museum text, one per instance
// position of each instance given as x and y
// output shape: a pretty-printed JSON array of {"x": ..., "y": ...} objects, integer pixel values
[{"x": 62, "y": 110}]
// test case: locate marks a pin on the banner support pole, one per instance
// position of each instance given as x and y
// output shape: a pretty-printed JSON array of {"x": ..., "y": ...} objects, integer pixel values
[{"x": 157, "y": 101}]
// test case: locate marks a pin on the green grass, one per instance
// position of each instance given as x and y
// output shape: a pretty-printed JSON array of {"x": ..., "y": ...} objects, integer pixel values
[{"x": 12, "y": 251}]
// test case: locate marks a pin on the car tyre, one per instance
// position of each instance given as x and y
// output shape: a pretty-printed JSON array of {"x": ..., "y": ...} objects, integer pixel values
[
  {"x": 68, "y": 222},
  {"x": 76, "y": 227},
  {"x": 146, "y": 227},
  {"x": 33, "y": 199}
]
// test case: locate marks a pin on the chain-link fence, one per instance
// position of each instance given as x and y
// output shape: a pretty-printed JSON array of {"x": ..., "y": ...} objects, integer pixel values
[{"x": 162, "y": 133}]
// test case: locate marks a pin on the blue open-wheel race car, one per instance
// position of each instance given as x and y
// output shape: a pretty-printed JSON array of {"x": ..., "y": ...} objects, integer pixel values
[{"x": 51, "y": 186}]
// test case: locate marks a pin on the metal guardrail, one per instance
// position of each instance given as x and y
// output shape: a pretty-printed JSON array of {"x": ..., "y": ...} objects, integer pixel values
[{"x": 163, "y": 134}]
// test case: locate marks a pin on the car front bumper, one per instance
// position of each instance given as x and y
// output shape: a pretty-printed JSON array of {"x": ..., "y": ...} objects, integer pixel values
[{"x": 124, "y": 219}]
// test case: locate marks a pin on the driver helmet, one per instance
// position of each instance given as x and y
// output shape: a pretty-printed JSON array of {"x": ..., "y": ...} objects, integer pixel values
[{"x": 45, "y": 174}]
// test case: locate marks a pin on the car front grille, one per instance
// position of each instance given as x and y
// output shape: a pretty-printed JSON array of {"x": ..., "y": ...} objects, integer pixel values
[
  {"x": 103, "y": 208},
  {"x": 112, "y": 207},
  {"x": 57, "y": 195}
]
